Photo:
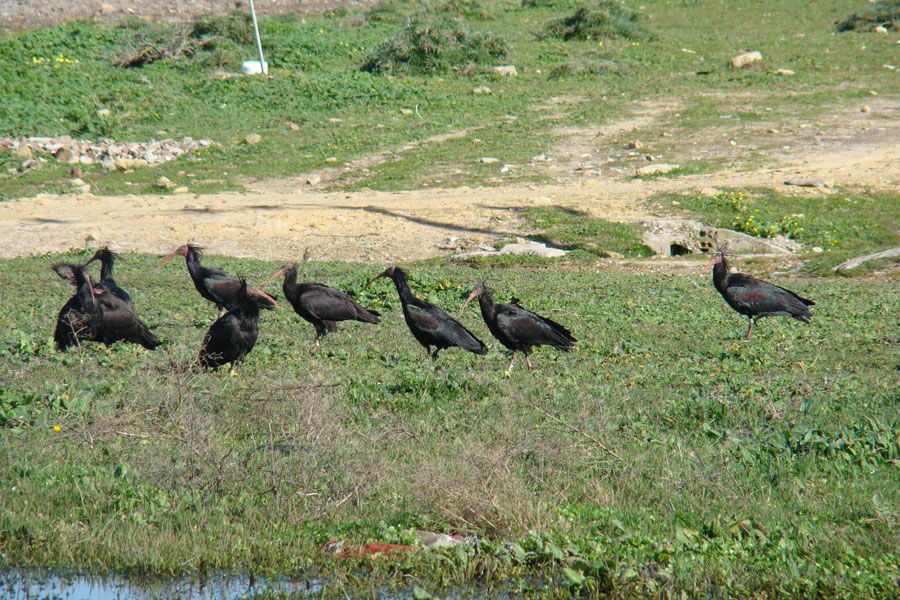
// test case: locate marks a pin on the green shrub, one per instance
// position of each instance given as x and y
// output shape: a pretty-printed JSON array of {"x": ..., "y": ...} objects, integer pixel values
[
  {"x": 608, "y": 19},
  {"x": 432, "y": 45},
  {"x": 397, "y": 11}
]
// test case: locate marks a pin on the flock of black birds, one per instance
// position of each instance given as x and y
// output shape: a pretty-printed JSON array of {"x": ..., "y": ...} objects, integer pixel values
[{"x": 101, "y": 311}]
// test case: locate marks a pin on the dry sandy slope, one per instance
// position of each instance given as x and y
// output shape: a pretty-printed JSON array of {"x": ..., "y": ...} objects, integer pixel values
[{"x": 284, "y": 219}]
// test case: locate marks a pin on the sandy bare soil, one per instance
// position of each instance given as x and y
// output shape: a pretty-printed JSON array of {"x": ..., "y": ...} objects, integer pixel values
[{"x": 287, "y": 218}]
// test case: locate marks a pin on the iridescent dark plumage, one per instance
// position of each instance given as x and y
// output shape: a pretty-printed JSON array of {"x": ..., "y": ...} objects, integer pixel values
[
  {"x": 216, "y": 285},
  {"x": 518, "y": 328},
  {"x": 234, "y": 334},
  {"x": 95, "y": 314},
  {"x": 107, "y": 258},
  {"x": 319, "y": 304},
  {"x": 430, "y": 324},
  {"x": 756, "y": 298}
]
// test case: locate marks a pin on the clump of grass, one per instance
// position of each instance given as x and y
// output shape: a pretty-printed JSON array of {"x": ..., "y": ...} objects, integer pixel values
[
  {"x": 574, "y": 230},
  {"x": 609, "y": 19},
  {"x": 883, "y": 12},
  {"x": 588, "y": 63},
  {"x": 427, "y": 45},
  {"x": 397, "y": 11}
]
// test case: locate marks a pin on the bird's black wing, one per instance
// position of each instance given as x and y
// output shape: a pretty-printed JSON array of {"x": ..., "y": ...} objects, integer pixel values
[
  {"x": 329, "y": 304},
  {"x": 758, "y": 297},
  {"x": 120, "y": 322},
  {"x": 526, "y": 327}
]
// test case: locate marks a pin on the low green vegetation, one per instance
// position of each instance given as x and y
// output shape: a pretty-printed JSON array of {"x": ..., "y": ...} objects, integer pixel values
[
  {"x": 881, "y": 12},
  {"x": 587, "y": 236},
  {"x": 843, "y": 224},
  {"x": 317, "y": 108},
  {"x": 664, "y": 456}
]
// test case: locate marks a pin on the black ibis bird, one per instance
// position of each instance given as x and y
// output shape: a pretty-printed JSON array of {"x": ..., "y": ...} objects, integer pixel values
[
  {"x": 234, "y": 334},
  {"x": 430, "y": 324},
  {"x": 319, "y": 304},
  {"x": 107, "y": 257},
  {"x": 78, "y": 319},
  {"x": 756, "y": 298},
  {"x": 518, "y": 328},
  {"x": 216, "y": 285},
  {"x": 96, "y": 314}
]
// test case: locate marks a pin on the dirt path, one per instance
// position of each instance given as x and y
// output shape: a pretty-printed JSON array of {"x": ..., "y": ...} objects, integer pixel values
[{"x": 285, "y": 219}]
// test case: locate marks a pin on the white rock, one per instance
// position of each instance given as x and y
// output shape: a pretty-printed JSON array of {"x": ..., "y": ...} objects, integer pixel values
[
  {"x": 164, "y": 183},
  {"x": 539, "y": 158},
  {"x": 881, "y": 29},
  {"x": 746, "y": 59},
  {"x": 865, "y": 109},
  {"x": 313, "y": 180},
  {"x": 486, "y": 160},
  {"x": 482, "y": 89},
  {"x": 817, "y": 250},
  {"x": 656, "y": 169},
  {"x": 508, "y": 70},
  {"x": 253, "y": 138},
  {"x": 785, "y": 72},
  {"x": 405, "y": 111},
  {"x": 183, "y": 189}
]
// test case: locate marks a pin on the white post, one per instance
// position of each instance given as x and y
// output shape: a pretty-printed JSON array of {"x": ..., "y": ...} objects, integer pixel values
[{"x": 263, "y": 67}]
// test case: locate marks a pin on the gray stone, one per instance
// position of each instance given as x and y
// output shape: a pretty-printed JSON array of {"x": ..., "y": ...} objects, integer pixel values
[
  {"x": 65, "y": 154},
  {"x": 859, "y": 260},
  {"x": 486, "y": 160},
  {"x": 164, "y": 183},
  {"x": 108, "y": 163},
  {"x": 803, "y": 182}
]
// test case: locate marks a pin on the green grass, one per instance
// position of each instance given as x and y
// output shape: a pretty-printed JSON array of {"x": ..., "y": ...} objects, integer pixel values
[
  {"x": 55, "y": 80},
  {"x": 765, "y": 468},
  {"x": 587, "y": 236},
  {"x": 843, "y": 223}
]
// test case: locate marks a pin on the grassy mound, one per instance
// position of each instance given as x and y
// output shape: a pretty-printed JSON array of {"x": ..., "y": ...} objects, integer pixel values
[
  {"x": 608, "y": 19},
  {"x": 589, "y": 63},
  {"x": 428, "y": 45},
  {"x": 883, "y": 12},
  {"x": 398, "y": 11}
]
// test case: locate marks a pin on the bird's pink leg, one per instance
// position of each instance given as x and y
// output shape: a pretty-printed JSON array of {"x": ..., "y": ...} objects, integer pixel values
[
  {"x": 750, "y": 329},
  {"x": 528, "y": 362},
  {"x": 509, "y": 368}
]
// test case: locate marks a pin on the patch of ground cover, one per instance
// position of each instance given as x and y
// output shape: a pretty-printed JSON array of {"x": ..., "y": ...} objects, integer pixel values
[
  {"x": 755, "y": 467},
  {"x": 315, "y": 79},
  {"x": 843, "y": 223}
]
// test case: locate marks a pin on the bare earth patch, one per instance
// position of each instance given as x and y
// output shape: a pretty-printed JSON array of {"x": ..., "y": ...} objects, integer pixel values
[{"x": 287, "y": 219}]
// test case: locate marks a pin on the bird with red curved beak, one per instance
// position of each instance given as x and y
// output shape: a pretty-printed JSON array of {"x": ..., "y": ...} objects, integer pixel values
[
  {"x": 216, "y": 285},
  {"x": 107, "y": 259},
  {"x": 753, "y": 297},
  {"x": 430, "y": 324},
  {"x": 518, "y": 328},
  {"x": 320, "y": 305}
]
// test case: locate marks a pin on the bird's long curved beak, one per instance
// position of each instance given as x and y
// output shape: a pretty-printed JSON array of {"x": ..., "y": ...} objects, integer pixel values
[
  {"x": 258, "y": 292},
  {"x": 709, "y": 265},
  {"x": 268, "y": 281},
  {"x": 471, "y": 297},
  {"x": 90, "y": 283},
  {"x": 173, "y": 255},
  {"x": 376, "y": 277}
]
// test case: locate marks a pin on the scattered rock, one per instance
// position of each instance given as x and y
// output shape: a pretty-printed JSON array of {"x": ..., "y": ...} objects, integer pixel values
[
  {"x": 85, "y": 159},
  {"x": 84, "y": 188},
  {"x": 405, "y": 111},
  {"x": 612, "y": 254},
  {"x": 313, "y": 180},
  {"x": 482, "y": 89},
  {"x": 107, "y": 9},
  {"x": 508, "y": 70},
  {"x": 138, "y": 163},
  {"x": 75, "y": 172},
  {"x": 75, "y": 182},
  {"x": 253, "y": 138},
  {"x": 91, "y": 237},
  {"x": 749, "y": 59},
  {"x": 519, "y": 247},
  {"x": 658, "y": 168},
  {"x": 181, "y": 190},
  {"x": 635, "y": 145},
  {"x": 164, "y": 183},
  {"x": 816, "y": 250},
  {"x": 710, "y": 192},
  {"x": 802, "y": 182},
  {"x": 292, "y": 126},
  {"x": 106, "y": 151},
  {"x": 104, "y": 112},
  {"x": 331, "y": 159},
  {"x": 674, "y": 237},
  {"x": 123, "y": 163},
  {"x": 859, "y": 260},
  {"x": 785, "y": 72},
  {"x": 22, "y": 152},
  {"x": 65, "y": 154},
  {"x": 865, "y": 109},
  {"x": 889, "y": 67},
  {"x": 108, "y": 163},
  {"x": 486, "y": 160},
  {"x": 881, "y": 29},
  {"x": 539, "y": 158}
]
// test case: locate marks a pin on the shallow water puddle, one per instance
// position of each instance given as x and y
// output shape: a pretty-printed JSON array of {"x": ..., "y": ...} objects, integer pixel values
[{"x": 33, "y": 585}]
